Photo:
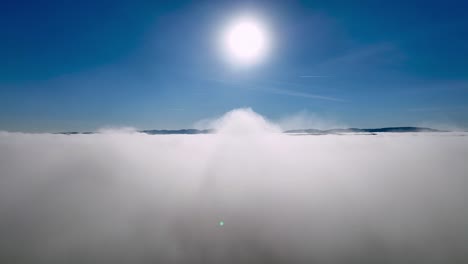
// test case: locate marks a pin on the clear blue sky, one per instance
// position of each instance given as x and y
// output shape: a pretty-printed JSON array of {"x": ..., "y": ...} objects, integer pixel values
[{"x": 81, "y": 65}]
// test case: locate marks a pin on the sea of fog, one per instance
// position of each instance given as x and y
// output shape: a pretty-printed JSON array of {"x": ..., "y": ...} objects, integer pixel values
[{"x": 126, "y": 197}]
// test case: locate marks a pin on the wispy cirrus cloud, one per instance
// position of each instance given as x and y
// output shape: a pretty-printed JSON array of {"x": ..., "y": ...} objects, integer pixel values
[
  {"x": 300, "y": 94},
  {"x": 272, "y": 87},
  {"x": 365, "y": 56}
]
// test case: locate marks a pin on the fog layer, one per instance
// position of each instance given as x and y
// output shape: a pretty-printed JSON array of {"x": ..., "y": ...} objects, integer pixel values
[{"x": 126, "y": 197}]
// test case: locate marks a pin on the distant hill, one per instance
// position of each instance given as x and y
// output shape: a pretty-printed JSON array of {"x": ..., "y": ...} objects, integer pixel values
[
  {"x": 363, "y": 130},
  {"x": 154, "y": 132},
  {"x": 295, "y": 131},
  {"x": 178, "y": 131}
]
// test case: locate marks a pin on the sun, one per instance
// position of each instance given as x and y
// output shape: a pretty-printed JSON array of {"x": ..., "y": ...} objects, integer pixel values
[{"x": 245, "y": 41}]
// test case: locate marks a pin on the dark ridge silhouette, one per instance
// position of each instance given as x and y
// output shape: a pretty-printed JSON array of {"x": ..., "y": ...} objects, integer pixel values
[
  {"x": 363, "y": 130},
  {"x": 76, "y": 133},
  {"x": 153, "y": 132},
  {"x": 178, "y": 131}
]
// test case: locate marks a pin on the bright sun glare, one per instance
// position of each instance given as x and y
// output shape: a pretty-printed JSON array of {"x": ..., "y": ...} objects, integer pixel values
[{"x": 245, "y": 41}]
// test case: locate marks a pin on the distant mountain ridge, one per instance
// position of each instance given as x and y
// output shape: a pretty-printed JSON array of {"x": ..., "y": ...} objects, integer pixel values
[
  {"x": 363, "y": 130},
  {"x": 294, "y": 131},
  {"x": 177, "y": 131},
  {"x": 154, "y": 132}
]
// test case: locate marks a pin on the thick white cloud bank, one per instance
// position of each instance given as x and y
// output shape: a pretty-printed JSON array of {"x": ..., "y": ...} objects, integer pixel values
[{"x": 126, "y": 197}]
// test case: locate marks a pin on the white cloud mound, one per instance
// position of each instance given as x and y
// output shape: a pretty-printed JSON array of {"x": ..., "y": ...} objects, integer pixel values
[
  {"x": 244, "y": 122},
  {"x": 137, "y": 198}
]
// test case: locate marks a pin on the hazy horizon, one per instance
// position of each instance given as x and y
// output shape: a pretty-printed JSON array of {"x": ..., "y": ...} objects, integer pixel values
[{"x": 297, "y": 121}]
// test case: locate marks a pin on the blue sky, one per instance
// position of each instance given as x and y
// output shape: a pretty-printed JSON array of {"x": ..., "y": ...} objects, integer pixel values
[{"x": 81, "y": 65}]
